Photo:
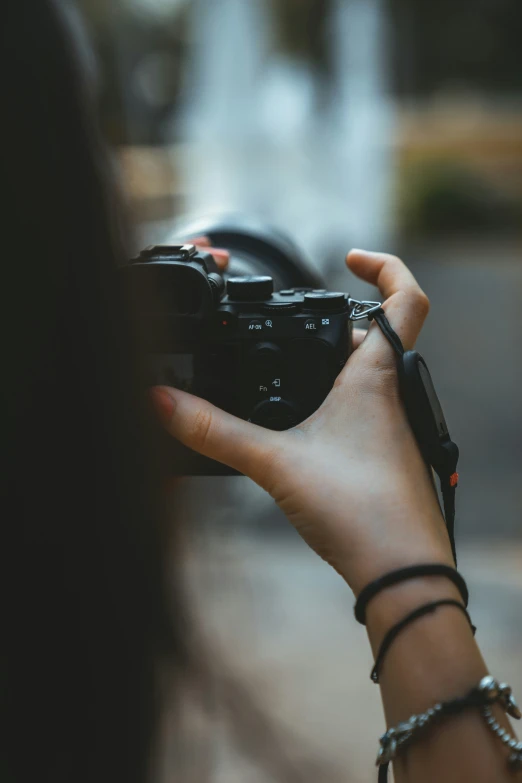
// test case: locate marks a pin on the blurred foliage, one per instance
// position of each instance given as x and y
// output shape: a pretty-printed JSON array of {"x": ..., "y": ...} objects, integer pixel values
[{"x": 443, "y": 196}]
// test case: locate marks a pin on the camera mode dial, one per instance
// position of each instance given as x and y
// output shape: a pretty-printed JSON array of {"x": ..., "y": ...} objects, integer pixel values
[
  {"x": 325, "y": 300},
  {"x": 250, "y": 288}
]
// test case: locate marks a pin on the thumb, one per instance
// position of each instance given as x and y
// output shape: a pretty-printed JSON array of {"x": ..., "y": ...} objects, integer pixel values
[{"x": 212, "y": 432}]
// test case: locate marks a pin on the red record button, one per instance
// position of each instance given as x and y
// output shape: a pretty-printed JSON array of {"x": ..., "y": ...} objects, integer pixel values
[{"x": 226, "y": 322}]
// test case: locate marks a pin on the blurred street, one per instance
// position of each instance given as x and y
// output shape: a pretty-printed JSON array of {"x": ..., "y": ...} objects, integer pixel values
[{"x": 282, "y": 621}]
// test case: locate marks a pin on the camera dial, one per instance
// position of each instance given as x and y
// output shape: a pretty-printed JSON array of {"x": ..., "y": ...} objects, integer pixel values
[
  {"x": 250, "y": 288},
  {"x": 325, "y": 300}
]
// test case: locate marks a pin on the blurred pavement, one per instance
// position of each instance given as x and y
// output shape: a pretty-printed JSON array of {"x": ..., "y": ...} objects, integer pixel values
[{"x": 283, "y": 622}]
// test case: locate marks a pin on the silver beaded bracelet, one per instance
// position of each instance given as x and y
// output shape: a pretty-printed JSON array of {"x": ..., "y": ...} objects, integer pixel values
[
  {"x": 488, "y": 692},
  {"x": 501, "y": 693}
]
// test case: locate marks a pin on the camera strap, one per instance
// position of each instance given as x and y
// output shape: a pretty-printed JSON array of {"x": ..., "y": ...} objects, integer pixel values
[{"x": 423, "y": 409}]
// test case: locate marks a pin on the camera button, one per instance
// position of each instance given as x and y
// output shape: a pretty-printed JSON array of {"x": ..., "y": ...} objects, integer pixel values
[
  {"x": 255, "y": 326},
  {"x": 225, "y": 320},
  {"x": 250, "y": 288},
  {"x": 311, "y": 325},
  {"x": 281, "y": 308},
  {"x": 275, "y": 414},
  {"x": 265, "y": 351},
  {"x": 287, "y": 292}
]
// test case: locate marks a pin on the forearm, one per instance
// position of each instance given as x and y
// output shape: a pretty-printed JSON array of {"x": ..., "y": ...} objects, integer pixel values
[{"x": 435, "y": 659}]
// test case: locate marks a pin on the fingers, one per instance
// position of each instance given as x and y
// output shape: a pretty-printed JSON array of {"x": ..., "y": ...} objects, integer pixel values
[
  {"x": 216, "y": 434},
  {"x": 200, "y": 241},
  {"x": 405, "y": 303},
  {"x": 220, "y": 255},
  {"x": 358, "y": 336}
]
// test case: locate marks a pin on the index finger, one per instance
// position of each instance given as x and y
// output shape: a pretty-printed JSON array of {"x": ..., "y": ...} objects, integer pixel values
[
  {"x": 405, "y": 303},
  {"x": 220, "y": 255}
]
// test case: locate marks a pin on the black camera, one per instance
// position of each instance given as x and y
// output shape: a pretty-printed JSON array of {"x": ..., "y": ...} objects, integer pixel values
[{"x": 268, "y": 356}]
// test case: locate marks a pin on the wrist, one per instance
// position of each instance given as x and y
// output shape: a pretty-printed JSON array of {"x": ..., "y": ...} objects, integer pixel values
[
  {"x": 395, "y": 602},
  {"x": 434, "y": 654},
  {"x": 391, "y": 554}
]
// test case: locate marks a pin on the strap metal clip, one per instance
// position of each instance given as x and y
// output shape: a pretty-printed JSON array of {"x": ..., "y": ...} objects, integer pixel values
[{"x": 362, "y": 308}]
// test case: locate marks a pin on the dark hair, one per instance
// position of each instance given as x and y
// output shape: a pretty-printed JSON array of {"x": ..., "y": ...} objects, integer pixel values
[
  {"x": 90, "y": 629},
  {"x": 87, "y": 621}
]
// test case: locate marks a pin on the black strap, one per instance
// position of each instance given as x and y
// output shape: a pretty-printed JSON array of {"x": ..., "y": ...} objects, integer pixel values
[
  {"x": 383, "y": 773},
  {"x": 448, "y": 501},
  {"x": 446, "y": 470},
  {"x": 386, "y": 328},
  {"x": 401, "y": 575},
  {"x": 410, "y": 618}
]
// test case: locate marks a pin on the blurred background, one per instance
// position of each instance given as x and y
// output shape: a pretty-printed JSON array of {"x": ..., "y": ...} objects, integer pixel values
[{"x": 385, "y": 124}]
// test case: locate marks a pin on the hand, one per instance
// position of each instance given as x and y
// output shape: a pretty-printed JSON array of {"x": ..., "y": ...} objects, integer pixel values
[
  {"x": 220, "y": 255},
  {"x": 350, "y": 478}
]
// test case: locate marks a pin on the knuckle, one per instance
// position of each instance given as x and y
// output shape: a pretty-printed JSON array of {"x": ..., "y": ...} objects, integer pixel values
[
  {"x": 415, "y": 300},
  {"x": 201, "y": 429},
  {"x": 422, "y": 303},
  {"x": 394, "y": 263}
]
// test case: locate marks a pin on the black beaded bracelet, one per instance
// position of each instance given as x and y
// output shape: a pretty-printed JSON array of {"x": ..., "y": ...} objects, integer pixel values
[
  {"x": 402, "y": 575},
  {"x": 421, "y": 611}
]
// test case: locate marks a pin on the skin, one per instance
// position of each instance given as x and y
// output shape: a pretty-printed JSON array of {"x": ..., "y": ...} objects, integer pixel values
[{"x": 352, "y": 482}]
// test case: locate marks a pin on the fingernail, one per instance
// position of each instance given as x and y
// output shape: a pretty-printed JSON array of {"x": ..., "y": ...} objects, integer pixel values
[
  {"x": 220, "y": 252},
  {"x": 364, "y": 252},
  {"x": 163, "y": 403}
]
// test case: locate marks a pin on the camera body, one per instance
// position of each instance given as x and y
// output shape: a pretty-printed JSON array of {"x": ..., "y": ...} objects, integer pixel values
[{"x": 268, "y": 357}]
